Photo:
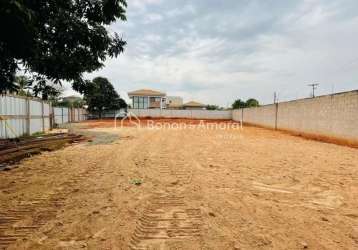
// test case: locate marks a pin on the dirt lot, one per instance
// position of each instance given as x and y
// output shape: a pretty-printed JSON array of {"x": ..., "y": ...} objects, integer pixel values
[{"x": 190, "y": 188}]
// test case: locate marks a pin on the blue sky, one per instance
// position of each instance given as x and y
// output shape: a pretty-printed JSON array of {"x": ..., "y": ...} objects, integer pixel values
[{"x": 217, "y": 51}]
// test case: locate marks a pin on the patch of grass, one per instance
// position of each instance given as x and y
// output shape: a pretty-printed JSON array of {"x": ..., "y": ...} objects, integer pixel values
[
  {"x": 137, "y": 182},
  {"x": 38, "y": 134}
]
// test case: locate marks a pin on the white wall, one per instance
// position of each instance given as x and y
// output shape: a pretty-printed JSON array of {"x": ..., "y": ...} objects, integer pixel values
[
  {"x": 331, "y": 115},
  {"x": 175, "y": 113},
  {"x": 263, "y": 115}
]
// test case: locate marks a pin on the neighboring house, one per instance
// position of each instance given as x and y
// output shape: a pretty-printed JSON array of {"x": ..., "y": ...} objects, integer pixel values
[
  {"x": 174, "y": 102},
  {"x": 147, "y": 99},
  {"x": 193, "y": 105}
]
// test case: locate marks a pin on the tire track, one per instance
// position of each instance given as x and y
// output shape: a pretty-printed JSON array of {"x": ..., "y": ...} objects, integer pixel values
[
  {"x": 166, "y": 219},
  {"x": 26, "y": 218},
  {"x": 168, "y": 222}
]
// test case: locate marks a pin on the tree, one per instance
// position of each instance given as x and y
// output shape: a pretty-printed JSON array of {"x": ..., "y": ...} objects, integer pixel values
[
  {"x": 23, "y": 84},
  {"x": 212, "y": 107},
  {"x": 57, "y": 39},
  {"x": 238, "y": 104},
  {"x": 252, "y": 103},
  {"x": 77, "y": 103},
  {"x": 100, "y": 96},
  {"x": 48, "y": 91}
]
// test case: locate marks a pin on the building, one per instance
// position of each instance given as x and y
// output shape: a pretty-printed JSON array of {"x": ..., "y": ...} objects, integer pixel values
[
  {"x": 194, "y": 105},
  {"x": 174, "y": 102},
  {"x": 147, "y": 99}
]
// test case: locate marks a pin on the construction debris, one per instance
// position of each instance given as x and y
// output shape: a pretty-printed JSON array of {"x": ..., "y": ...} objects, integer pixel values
[{"x": 14, "y": 150}]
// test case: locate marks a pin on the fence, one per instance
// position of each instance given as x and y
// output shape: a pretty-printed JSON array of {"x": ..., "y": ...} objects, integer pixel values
[
  {"x": 24, "y": 116},
  {"x": 64, "y": 115},
  {"x": 174, "y": 113},
  {"x": 328, "y": 116}
]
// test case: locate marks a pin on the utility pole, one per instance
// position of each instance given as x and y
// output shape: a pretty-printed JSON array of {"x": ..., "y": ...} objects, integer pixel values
[
  {"x": 314, "y": 87},
  {"x": 275, "y": 97}
]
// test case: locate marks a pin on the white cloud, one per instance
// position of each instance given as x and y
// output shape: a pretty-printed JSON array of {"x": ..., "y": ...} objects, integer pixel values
[
  {"x": 152, "y": 18},
  {"x": 215, "y": 54}
]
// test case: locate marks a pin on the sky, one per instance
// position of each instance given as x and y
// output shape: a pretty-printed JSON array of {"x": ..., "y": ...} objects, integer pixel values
[{"x": 217, "y": 51}]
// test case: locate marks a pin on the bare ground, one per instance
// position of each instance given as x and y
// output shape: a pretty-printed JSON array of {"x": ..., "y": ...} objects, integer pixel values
[{"x": 183, "y": 189}]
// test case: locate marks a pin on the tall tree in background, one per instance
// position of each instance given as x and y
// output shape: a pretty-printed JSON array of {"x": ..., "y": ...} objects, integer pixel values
[
  {"x": 100, "y": 96},
  {"x": 77, "y": 103},
  {"x": 57, "y": 39},
  {"x": 252, "y": 103},
  {"x": 239, "y": 104},
  {"x": 48, "y": 91},
  {"x": 213, "y": 107},
  {"x": 23, "y": 84}
]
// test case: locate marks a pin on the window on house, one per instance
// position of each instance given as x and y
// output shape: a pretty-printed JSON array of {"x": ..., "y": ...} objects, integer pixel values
[
  {"x": 140, "y": 102},
  {"x": 145, "y": 103}
]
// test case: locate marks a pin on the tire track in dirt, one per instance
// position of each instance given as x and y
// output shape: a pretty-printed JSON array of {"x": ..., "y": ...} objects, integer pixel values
[
  {"x": 168, "y": 222},
  {"x": 24, "y": 219},
  {"x": 166, "y": 219},
  {"x": 36, "y": 212}
]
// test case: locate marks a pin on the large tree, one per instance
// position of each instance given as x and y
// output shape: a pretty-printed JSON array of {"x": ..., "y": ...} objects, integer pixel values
[
  {"x": 213, "y": 107},
  {"x": 100, "y": 96},
  {"x": 48, "y": 91},
  {"x": 23, "y": 84},
  {"x": 76, "y": 103},
  {"x": 239, "y": 104},
  {"x": 57, "y": 39},
  {"x": 252, "y": 103}
]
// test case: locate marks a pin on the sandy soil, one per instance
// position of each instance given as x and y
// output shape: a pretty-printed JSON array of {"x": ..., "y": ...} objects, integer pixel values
[{"x": 183, "y": 189}]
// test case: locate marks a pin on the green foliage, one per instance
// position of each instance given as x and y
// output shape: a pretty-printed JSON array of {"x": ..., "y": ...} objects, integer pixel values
[
  {"x": 252, "y": 103},
  {"x": 213, "y": 107},
  {"x": 79, "y": 103},
  {"x": 238, "y": 104},
  {"x": 23, "y": 84},
  {"x": 57, "y": 39},
  {"x": 48, "y": 91},
  {"x": 137, "y": 182},
  {"x": 100, "y": 95},
  {"x": 37, "y": 134}
]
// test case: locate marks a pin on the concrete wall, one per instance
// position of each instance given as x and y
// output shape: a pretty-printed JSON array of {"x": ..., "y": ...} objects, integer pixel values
[
  {"x": 331, "y": 115},
  {"x": 264, "y": 115},
  {"x": 175, "y": 113}
]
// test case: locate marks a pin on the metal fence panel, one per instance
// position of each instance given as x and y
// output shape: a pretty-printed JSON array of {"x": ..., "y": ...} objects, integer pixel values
[
  {"x": 65, "y": 115},
  {"x": 21, "y": 116},
  {"x": 13, "y": 116}
]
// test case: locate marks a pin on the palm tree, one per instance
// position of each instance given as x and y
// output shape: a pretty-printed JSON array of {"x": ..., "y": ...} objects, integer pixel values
[{"x": 23, "y": 85}]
